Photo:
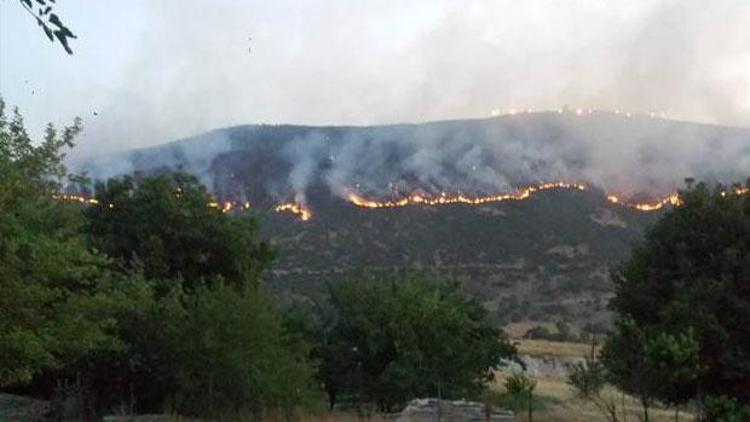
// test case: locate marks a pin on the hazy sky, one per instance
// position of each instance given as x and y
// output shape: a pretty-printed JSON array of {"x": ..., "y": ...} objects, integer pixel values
[{"x": 158, "y": 70}]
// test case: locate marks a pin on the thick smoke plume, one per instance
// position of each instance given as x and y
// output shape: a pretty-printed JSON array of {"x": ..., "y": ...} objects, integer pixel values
[
  {"x": 638, "y": 157},
  {"x": 204, "y": 65}
]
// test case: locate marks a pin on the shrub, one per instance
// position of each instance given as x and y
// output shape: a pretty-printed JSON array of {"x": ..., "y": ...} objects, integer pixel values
[
  {"x": 587, "y": 378},
  {"x": 725, "y": 409}
]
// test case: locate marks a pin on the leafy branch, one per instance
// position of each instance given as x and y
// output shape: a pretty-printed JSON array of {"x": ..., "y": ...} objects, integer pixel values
[{"x": 42, "y": 12}]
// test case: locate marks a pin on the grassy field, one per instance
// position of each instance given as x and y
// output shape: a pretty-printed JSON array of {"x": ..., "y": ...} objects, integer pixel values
[
  {"x": 552, "y": 348},
  {"x": 556, "y": 401}
]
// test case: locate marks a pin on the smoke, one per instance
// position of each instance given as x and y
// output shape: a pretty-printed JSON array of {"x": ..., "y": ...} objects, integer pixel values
[
  {"x": 636, "y": 157},
  {"x": 307, "y": 155},
  {"x": 201, "y": 66},
  {"x": 195, "y": 155}
]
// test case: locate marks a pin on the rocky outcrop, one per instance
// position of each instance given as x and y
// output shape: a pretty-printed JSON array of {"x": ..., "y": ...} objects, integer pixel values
[
  {"x": 543, "y": 366},
  {"x": 430, "y": 410}
]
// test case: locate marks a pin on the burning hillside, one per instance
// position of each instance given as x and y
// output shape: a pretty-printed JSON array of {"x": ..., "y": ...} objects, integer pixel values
[{"x": 637, "y": 161}]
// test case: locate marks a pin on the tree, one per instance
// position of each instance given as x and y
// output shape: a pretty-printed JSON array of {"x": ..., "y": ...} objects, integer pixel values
[
  {"x": 165, "y": 225},
  {"x": 46, "y": 273},
  {"x": 651, "y": 365},
  {"x": 127, "y": 330},
  {"x": 43, "y": 13},
  {"x": 588, "y": 377},
  {"x": 235, "y": 356},
  {"x": 392, "y": 340},
  {"x": 683, "y": 299}
]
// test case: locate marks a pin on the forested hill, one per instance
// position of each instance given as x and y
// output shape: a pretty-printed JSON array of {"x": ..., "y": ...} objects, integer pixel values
[
  {"x": 637, "y": 156},
  {"x": 553, "y": 249}
]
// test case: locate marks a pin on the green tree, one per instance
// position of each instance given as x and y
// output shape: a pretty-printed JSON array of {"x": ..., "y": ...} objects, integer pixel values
[
  {"x": 139, "y": 376},
  {"x": 46, "y": 272},
  {"x": 691, "y": 276},
  {"x": 651, "y": 365},
  {"x": 166, "y": 226},
  {"x": 235, "y": 356},
  {"x": 126, "y": 330},
  {"x": 392, "y": 340},
  {"x": 587, "y": 378}
]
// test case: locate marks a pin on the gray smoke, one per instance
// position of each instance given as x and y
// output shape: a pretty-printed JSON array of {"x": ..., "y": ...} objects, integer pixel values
[
  {"x": 203, "y": 66},
  {"x": 334, "y": 62},
  {"x": 636, "y": 157}
]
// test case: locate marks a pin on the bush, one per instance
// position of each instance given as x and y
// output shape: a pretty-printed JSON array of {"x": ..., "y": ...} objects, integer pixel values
[
  {"x": 520, "y": 388},
  {"x": 563, "y": 333},
  {"x": 538, "y": 333},
  {"x": 587, "y": 378},
  {"x": 519, "y": 383},
  {"x": 725, "y": 409}
]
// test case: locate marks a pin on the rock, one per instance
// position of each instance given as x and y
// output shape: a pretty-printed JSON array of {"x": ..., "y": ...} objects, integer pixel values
[{"x": 427, "y": 410}]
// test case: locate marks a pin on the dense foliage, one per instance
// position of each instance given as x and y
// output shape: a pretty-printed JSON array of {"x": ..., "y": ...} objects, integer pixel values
[
  {"x": 388, "y": 341},
  {"x": 165, "y": 226},
  {"x": 46, "y": 272},
  {"x": 234, "y": 353},
  {"x": 137, "y": 307},
  {"x": 683, "y": 301},
  {"x": 148, "y": 299}
]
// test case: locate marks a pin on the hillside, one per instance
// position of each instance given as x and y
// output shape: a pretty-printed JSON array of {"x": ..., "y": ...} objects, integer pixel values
[
  {"x": 542, "y": 258},
  {"x": 553, "y": 250}
]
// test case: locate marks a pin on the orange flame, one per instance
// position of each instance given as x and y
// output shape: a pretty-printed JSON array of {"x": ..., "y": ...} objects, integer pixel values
[
  {"x": 297, "y": 209},
  {"x": 672, "y": 199},
  {"x": 445, "y": 199},
  {"x": 304, "y": 213}
]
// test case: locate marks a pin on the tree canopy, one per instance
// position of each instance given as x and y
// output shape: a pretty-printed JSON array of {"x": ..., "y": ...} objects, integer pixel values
[
  {"x": 166, "y": 226},
  {"x": 137, "y": 307},
  {"x": 47, "y": 273},
  {"x": 388, "y": 341},
  {"x": 683, "y": 300}
]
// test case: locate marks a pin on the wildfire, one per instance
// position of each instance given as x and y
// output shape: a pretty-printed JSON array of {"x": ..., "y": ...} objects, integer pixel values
[
  {"x": 76, "y": 198},
  {"x": 582, "y": 111},
  {"x": 299, "y": 210},
  {"x": 672, "y": 199},
  {"x": 305, "y": 214},
  {"x": 445, "y": 199}
]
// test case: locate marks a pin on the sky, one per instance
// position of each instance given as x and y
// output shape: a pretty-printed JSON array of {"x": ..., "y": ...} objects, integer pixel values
[{"x": 155, "y": 71}]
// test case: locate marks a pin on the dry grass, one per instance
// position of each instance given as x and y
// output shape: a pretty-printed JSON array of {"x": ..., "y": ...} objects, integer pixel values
[
  {"x": 341, "y": 417},
  {"x": 552, "y": 348},
  {"x": 567, "y": 407}
]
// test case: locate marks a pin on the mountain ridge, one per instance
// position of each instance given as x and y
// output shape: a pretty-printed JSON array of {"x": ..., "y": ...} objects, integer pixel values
[{"x": 552, "y": 251}]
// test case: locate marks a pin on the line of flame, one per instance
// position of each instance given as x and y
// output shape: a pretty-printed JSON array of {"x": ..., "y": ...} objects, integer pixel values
[
  {"x": 299, "y": 210},
  {"x": 672, "y": 199},
  {"x": 446, "y": 199},
  {"x": 305, "y": 214}
]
